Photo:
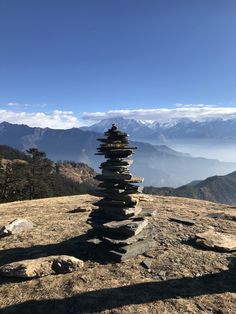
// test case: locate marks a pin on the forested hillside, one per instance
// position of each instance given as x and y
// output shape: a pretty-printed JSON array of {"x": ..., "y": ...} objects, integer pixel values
[{"x": 32, "y": 175}]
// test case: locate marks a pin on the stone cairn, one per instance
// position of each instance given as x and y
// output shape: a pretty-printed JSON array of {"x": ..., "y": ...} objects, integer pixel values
[{"x": 120, "y": 227}]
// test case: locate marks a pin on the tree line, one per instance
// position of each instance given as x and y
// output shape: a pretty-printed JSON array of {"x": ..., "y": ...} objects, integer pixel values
[{"x": 34, "y": 176}]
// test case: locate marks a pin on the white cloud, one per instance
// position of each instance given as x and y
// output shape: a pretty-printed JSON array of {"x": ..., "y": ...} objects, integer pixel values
[
  {"x": 12, "y": 104},
  {"x": 195, "y": 112},
  {"x": 56, "y": 119},
  {"x": 23, "y": 105}
]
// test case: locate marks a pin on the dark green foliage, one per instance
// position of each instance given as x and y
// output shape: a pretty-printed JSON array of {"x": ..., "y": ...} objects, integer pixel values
[
  {"x": 39, "y": 175},
  {"x": 12, "y": 182},
  {"x": 10, "y": 153},
  {"x": 33, "y": 177}
]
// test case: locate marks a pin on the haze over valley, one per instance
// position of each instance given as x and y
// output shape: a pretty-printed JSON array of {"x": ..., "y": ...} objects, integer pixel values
[
  {"x": 213, "y": 138},
  {"x": 159, "y": 164}
]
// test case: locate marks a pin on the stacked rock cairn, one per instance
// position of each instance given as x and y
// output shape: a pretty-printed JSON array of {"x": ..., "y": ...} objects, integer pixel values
[{"x": 120, "y": 226}]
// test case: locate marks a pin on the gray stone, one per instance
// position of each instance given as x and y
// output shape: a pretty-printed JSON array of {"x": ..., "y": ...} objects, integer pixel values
[
  {"x": 116, "y": 153},
  {"x": 111, "y": 167},
  {"x": 217, "y": 241},
  {"x": 16, "y": 226},
  {"x": 216, "y": 215},
  {"x": 125, "y": 227},
  {"x": 42, "y": 266},
  {"x": 118, "y": 221},
  {"x": 80, "y": 210},
  {"x": 94, "y": 241},
  {"x": 144, "y": 234},
  {"x": 108, "y": 191},
  {"x": 147, "y": 263},
  {"x": 162, "y": 274},
  {"x": 117, "y": 203},
  {"x": 114, "y": 176},
  {"x": 185, "y": 221},
  {"x": 116, "y": 163},
  {"x": 148, "y": 212},
  {"x": 132, "y": 250},
  {"x": 118, "y": 213}
]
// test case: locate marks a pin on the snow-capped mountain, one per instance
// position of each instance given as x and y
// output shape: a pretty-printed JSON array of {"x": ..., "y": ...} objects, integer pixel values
[
  {"x": 183, "y": 128},
  {"x": 158, "y": 164},
  {"x": 135, "y": 128}
]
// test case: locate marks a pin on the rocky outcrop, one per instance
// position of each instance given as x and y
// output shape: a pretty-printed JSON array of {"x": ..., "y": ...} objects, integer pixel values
[{"x": 77, "y": 172}]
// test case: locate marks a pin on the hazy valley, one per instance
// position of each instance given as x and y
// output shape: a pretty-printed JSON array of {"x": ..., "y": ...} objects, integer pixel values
[{"x": 158, "y": 164}]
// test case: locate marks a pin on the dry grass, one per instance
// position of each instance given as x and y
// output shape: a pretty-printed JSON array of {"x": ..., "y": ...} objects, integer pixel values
[{"x": 182, "y": 279}]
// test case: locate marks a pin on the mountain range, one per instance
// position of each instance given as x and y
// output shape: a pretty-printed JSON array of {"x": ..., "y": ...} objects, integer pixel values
[
  {"x": 219, "y": 189},
  {"x": 183, "y": 128},
  {"x": 158, "y": 164}
]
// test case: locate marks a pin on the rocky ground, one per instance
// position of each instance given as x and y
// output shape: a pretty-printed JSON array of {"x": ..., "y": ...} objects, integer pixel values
[{"x": 177, "y": 276}]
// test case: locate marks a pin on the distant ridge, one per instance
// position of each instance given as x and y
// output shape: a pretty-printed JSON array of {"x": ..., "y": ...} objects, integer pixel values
[
  {"x": 183, "y": 128},
  {"x": 219, "y": 189},
  {"x": 158, "y": 164}
]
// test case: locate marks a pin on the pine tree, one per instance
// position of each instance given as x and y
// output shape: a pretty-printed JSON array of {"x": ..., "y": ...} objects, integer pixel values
[{"x": 39, "y": 175}]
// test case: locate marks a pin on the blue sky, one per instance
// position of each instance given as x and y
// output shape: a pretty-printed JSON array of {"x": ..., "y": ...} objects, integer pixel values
[{"x": 66, "y": 57}]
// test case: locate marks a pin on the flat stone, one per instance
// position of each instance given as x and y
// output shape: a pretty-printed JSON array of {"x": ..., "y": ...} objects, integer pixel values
[
  {"x": 117, "y": 172},
  {"x": 94, "y": 241},
  {"x": 217, "y": 241},
  {"x": 116, "y": 185},
  {"x": 118, "y": 213},
  {"x": 126, "y": 227},
  {"x": 162, "y": 274},
  {"x": 113, "y": 190},
  {"x": 116, "y": 163},
  {"x": 41, "y": 267},
  {"x": 147, "y": 263},
  {"x": 119, "y": 178},
  {"x": 216, "y": 215},
  {"x": 116, "y": 153},
  {"x": 109, "y": 203},
  {"x": 80, "y": 210},
  {"x": 145, "y": 197},
  {"x": 115, "y": 134},
  {"x": 109, "y": 192},
  {"x": 106, "y": 140},
  {"x": 148, "y": 212},
  {"x": 144, "y": 234},
  {"x": 112, "y": 167},
  {"x": 132, "y": 250},
  {"x": 116, "y": 203},
  {"x": 113, "y": 176},
  {"x": 111, "y": 147},
  {"x": 126, "y": 198},
  {"x": 135, "y": 189},
  {"x": 183, "y": 220},
  {"x": 16, "y": 226}
]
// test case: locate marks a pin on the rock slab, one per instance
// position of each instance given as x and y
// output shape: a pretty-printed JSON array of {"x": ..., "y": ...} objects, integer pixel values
[
  {"x": 217, "y": 241},
  {"x": 40, "y": 267},
  {"x": 183, "y": 220},
  {"x": 16, "y": 226}
]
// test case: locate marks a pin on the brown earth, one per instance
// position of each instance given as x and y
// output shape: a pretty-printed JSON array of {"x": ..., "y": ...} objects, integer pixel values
[{"x": 182, "y": 278}]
